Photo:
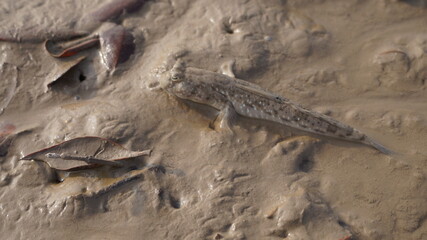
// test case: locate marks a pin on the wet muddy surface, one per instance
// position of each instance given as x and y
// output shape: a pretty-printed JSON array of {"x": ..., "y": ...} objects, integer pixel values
[{"x": 363, "y": 63}]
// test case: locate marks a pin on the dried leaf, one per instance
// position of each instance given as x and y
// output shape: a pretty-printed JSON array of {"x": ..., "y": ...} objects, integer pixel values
[
  {"x": 117, "y": 45},
  {"x": 37, "y": 35},
  {"x": 84, "y": 152},
  {"x": 70, "y": 48},
  {"x": 113, "y": 9},
  {"x": 60, "y": 68}
]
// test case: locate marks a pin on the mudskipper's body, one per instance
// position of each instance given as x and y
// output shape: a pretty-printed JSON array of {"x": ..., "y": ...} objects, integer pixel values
[{"x": 230, "y": 95}]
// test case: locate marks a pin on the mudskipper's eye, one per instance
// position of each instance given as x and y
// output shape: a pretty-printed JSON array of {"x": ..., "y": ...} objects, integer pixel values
[{"x": 176, "y": 77}]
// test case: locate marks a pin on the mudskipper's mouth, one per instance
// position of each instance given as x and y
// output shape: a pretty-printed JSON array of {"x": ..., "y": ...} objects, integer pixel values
[{"x": 160, "y": 78}]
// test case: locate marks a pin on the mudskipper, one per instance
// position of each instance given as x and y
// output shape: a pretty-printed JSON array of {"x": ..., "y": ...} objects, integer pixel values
[{"x": 230, "y": 96}]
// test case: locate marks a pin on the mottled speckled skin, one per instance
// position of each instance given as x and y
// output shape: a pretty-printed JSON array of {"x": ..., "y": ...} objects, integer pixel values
[{"x": 249, "y": 100}]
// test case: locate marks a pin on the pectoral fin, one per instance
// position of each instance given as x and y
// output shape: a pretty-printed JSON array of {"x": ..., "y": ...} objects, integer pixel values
[{"x": 226, "y": 119}]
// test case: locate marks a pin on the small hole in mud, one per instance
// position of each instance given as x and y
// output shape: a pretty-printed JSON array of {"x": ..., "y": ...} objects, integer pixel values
[
  {"x": 161, "y": 194},
  {"x": 82, "y": 77},
  {"x": 175, "y": 203},
  {"x": 218, "y": 236},
  {"x": 282, "y": 234},
  {"x": 305, "y": 165},
  {"x": 342, "y": 224},
  {"x": 57, "y": 180},
  {"x": 227, "y": 29}
]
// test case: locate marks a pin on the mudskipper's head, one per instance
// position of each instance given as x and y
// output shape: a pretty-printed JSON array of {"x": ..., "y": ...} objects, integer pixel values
[{"x": 168, "y": 77}]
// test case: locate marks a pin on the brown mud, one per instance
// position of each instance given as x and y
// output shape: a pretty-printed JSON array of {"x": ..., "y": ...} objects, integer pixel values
[{"x": 362, "y": 62}]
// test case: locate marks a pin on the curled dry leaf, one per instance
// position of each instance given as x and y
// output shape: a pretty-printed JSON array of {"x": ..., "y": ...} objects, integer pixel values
[
  {"x": 60, "y": 68},
  {"x": 84, "y": 152},
  {"x": 35, "y": 34},
  {"x": 114, "y": 9},
  {"x": 70, "y": 48},
  {"x": 117, "y": 45},
  {"x": 38, "y": 35}
]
